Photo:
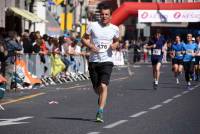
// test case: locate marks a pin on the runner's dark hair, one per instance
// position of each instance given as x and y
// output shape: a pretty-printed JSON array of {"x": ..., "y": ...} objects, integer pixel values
[{"x": 105, "y": 6}]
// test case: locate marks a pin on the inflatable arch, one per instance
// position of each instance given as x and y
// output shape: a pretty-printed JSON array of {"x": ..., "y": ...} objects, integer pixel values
[{"x": 131, "y": 9}]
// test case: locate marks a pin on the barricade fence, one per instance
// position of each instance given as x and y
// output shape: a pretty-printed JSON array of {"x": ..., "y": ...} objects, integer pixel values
[
  {"x": 49, "y": 69},
  {"x": 41, "y": 68}
]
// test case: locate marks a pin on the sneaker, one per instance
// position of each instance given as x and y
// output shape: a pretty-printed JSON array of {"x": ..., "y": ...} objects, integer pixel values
[
  {"x": 99, "y": 117},
  {"x": 188, "y": 85},
  {"x": 155, "y": 86},
  {"x": 177, "y": 81}
]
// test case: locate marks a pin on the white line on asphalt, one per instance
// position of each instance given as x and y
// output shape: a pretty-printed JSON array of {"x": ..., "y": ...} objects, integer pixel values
[
  {"x": 185, "y": 92},
  {"x": 176, "y": 96},
  {"x": 115, "y": 124},
  {"x": 155, "y": 107},
  {"x": 136, "y": 66},
  {"x": 6, "y": 122},
  {"x": 167, "y": 101},
  {"x": 191, "y": 88},
  {"x": 138, "y": 114},
  {"x": 94, "y": 133}
]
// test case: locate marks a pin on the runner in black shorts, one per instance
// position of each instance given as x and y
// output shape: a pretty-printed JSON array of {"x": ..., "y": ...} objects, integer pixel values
[
  {"x": 157, "y": 45},
  {"x": 177, "y": 57},
  {"x": 100, "y": 59},
  {"x": 197, "y": 59}
]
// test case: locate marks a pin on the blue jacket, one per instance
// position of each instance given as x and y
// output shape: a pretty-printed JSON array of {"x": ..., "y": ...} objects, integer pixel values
[{"x": 12, "y": 46}]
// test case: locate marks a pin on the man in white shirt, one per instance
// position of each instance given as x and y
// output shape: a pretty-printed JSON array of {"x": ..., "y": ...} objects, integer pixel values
[{"x": 101, "y": 38}]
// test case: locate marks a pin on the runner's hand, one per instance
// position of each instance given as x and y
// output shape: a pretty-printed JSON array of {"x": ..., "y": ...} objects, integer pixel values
[{"x": 94, "y": 49}]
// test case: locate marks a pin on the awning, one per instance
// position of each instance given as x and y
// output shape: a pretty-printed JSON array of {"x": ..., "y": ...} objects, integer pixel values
[{"x": 26, "y": 14}]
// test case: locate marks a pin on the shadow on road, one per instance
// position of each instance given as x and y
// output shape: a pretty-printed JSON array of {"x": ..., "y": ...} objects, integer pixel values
[{"x": 75, "y": 119}]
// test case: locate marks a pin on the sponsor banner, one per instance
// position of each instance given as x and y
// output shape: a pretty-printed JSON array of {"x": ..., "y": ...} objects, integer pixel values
[{"x": 169, "y": 15}]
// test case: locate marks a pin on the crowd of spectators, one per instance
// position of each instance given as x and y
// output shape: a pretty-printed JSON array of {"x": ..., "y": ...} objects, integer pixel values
[{"x": 62, "y": 49}]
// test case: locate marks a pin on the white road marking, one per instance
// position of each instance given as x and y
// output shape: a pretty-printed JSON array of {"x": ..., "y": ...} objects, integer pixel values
[
  {"x": 185, "y": 92},
  {"x": 167, "y": 101},
  {"x": 191, "y": 88},
  {"x": 6, "y": 122},
  {"x": 155, "y": 107},
  {"x": 94, "y": 133},
  {"x": 115, "y": 124},
  {"x": 143, "y": 112},
  {"x": 138, "y": 114},
  {"x": 176, "y": 96},
  {"x": 136, "y": 66}
]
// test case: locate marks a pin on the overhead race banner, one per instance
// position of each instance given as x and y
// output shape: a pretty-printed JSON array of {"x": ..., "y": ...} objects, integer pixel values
[{"x": 169, "y": 15}]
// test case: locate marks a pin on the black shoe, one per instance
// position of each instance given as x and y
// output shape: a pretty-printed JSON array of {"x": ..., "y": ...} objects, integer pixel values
[{"x": 155, "y": 86}]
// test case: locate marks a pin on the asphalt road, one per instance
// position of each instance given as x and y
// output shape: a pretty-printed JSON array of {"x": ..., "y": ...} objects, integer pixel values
[{"x": 133, "y": 107}]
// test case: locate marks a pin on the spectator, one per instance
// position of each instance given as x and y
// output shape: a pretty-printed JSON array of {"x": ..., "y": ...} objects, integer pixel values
[
  {"x": 12, "y": 46},
  {"x": 27, "y": 44},
  {"x": 3, "y": 56}
]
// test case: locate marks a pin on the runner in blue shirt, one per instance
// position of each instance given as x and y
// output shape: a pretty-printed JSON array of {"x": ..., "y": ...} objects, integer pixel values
[
  {"x": 157, "y": 45},
  {"x": 190, "y": 51},
  {"x": 177, "y": 57}
]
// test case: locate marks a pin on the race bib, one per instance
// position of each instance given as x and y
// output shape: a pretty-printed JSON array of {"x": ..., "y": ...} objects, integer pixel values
[
  {"x": 179, "y": 54},
  {"x": 103, "y": 45},
  {"x": 156, "y": 51},
  {"x": 189, "y": 52}
]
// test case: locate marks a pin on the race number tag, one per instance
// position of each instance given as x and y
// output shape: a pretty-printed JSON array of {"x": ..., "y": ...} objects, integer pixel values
[
  {"x": 103, "y": 45},
  {"x": 189, "y": 52},
  {"x": 179, "y": 54},
  {"x": 156, "y": 51}
]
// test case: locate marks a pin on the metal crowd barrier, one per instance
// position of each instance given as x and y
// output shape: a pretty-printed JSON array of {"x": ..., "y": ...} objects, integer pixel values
[{"x": 78, "y": 69}]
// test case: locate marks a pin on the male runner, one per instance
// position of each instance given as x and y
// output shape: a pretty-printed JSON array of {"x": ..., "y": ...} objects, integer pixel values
[
  {"x": 157, "y": 46},
  {"x": 101, "y": 38},
  {"x": 190, "y": 51}
]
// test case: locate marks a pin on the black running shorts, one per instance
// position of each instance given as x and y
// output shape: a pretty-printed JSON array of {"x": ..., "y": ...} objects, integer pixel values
[
  {"x": 156, "y": 61},
  {"x": 177, "y": 61},
  {"x": 100, "y": 73},
  {"x": 197, "y": 60}
]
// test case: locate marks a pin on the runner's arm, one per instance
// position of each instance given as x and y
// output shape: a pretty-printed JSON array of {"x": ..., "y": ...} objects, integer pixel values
[
  {"x": 115, "y": 43},
  {"x": 150, "y": 46},
  {"x": 86, "y": 41}
]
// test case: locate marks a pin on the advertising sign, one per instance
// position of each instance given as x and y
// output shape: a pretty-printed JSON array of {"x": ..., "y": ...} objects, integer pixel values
[{"x": 169, "y": 15}]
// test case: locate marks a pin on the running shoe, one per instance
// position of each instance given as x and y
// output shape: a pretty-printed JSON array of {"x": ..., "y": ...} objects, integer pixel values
[
  {"x": 188, "y": 85},
  {"x": 99, "y": 117},
  {"x": 155, "y": 86},
  {"x": 177, "y": 81}
]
